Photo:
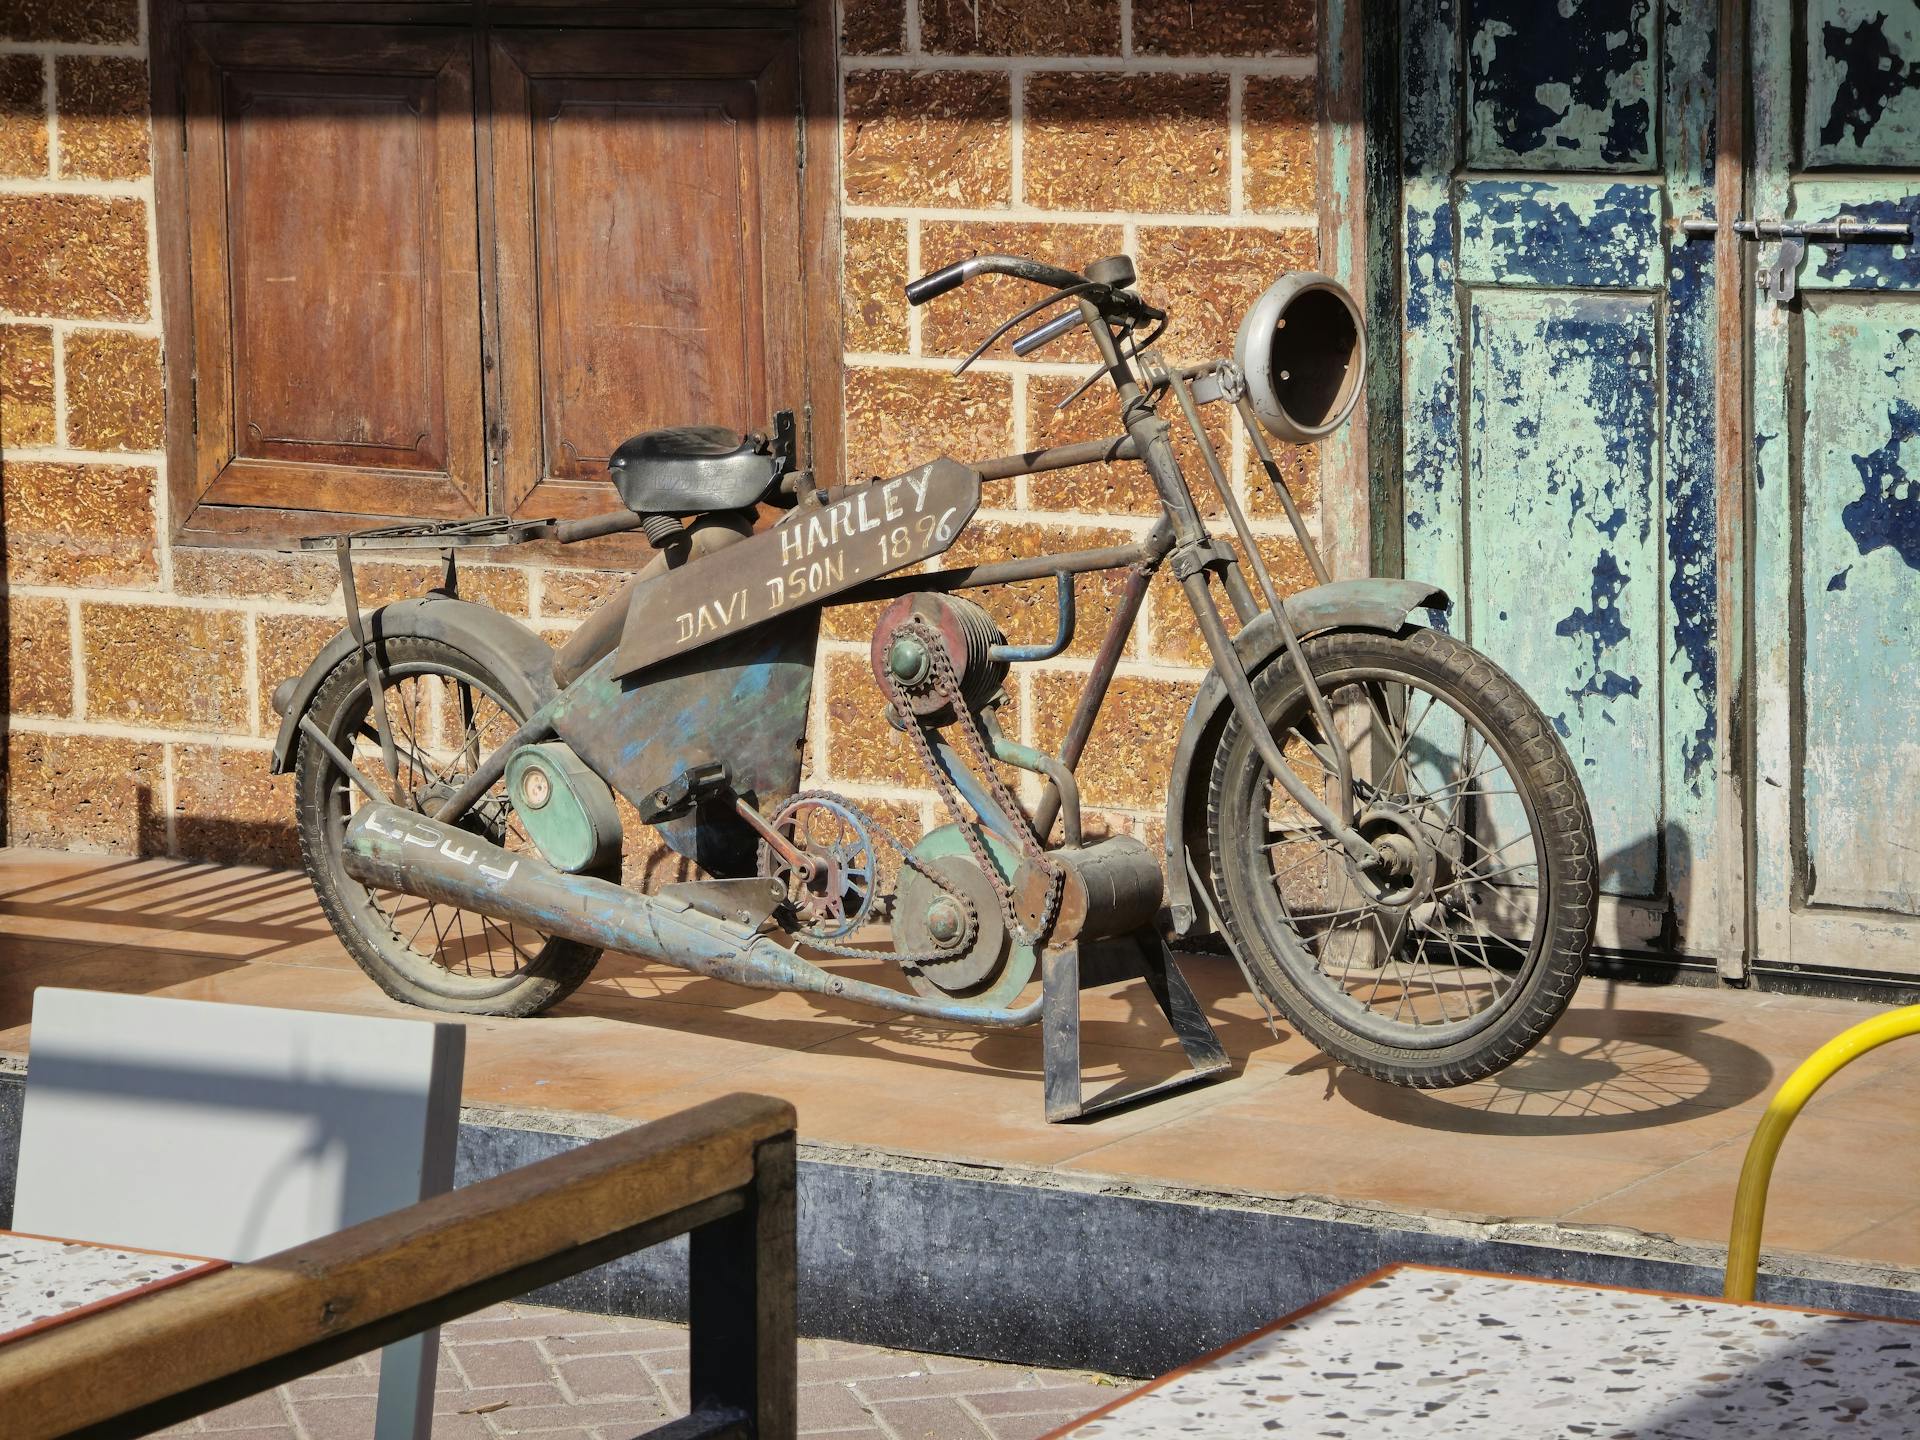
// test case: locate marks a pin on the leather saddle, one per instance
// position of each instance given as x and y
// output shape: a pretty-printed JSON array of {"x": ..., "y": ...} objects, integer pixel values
[{"x": 695, "y": 470}]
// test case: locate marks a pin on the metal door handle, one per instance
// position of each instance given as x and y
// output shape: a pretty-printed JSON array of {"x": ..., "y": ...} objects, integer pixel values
[
  {"x": 1840, "y": 231},
  {"x": 1777, "y": 276}
]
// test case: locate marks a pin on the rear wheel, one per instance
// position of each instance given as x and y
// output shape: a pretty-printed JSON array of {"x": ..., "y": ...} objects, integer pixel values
[
  {"x": 1449, "y": 960},
  {"x": 447, "y": 709}
]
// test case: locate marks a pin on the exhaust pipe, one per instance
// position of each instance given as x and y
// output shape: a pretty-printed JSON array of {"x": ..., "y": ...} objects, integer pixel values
[{"x": 395, "y": 849}]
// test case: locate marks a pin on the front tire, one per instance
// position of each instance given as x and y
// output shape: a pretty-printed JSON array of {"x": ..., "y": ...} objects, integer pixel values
[
  {"x": 1449, "y": 965},
  {"x": 447, "y": 709}
]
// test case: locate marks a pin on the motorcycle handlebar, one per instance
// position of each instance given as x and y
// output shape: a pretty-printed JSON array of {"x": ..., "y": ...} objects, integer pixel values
[
  {"x": 939, "y": 282},
  {"x": 1109, "y": 294}
]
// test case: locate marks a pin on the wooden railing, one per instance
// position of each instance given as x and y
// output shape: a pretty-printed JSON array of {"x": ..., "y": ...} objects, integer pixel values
[{"x": 721, "y": 1173}]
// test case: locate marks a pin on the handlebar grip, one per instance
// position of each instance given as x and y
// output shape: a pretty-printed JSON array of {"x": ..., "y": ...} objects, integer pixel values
[{"x": 939, "y": 282}]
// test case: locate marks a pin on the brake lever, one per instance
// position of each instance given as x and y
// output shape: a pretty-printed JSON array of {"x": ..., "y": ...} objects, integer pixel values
[
  {"x": 1067, "y": 292},
  {"x": 1025, "y": 345}
]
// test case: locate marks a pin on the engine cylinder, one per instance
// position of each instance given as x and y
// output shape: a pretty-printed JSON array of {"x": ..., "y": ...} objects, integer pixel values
[{"x": 967, "y": 633}]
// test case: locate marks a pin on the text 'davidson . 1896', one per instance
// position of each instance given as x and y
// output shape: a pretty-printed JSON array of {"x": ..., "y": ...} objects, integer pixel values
[{"x": 815, "y": 552}]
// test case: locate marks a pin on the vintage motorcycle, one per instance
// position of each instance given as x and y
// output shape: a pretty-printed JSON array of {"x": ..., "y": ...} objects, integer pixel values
[{"x": 1381, "y": 826}]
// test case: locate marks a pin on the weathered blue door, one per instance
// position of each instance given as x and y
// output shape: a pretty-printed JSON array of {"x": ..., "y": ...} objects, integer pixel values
[
  {"x": 1558, "y": 402},
  {"x": 1836, "y": 544}
]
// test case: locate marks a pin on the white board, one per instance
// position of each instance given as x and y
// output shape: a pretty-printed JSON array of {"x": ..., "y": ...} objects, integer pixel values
[{"x": 233, "y": 1131}]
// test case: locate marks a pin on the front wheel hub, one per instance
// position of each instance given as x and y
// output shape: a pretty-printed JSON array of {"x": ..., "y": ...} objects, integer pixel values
[{"x": 1404, "y": 874}]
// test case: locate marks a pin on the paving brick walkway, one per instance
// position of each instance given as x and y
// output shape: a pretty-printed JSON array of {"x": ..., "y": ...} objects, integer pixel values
[{"x": 523, "y": 1370}]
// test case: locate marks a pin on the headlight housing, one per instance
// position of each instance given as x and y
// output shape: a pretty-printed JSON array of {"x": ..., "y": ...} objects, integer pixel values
[{"x": 1303, "y": 351}]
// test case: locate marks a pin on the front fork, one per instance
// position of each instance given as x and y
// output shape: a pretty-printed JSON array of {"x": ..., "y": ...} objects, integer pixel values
[{"x": 1193, "y": 555}]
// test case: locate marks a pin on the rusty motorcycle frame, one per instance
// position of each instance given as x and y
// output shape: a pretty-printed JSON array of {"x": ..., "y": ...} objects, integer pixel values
[{"x": 687, "y": 695}]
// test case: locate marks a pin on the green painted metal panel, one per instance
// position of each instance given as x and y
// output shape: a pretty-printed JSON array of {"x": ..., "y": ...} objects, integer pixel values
[
  {"x": 1860, "y": 601},
  {"x": 1558, "y": 413},
  {"x": 1599, "y": 233},
  {"x": 1565, "y": 558}
]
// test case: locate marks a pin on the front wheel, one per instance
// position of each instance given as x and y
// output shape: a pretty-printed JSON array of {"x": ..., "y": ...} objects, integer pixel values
[{"x": 1450, "y": 959}]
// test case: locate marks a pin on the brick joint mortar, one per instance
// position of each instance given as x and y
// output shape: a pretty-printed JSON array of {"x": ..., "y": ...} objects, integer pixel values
[{"x": 1150, "y": 663}]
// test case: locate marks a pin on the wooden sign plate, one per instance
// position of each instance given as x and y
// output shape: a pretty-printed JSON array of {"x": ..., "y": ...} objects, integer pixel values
[{"x": 813, "y": 554}]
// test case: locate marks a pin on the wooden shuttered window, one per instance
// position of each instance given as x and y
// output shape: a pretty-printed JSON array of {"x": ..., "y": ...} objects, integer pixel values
[{"x": 442, "y": 270}]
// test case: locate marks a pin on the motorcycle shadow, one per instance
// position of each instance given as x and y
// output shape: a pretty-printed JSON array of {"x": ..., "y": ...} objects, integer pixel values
[
  {"x": 1601, "y": 1070},
  {"x": 1117, "y": 1021}
]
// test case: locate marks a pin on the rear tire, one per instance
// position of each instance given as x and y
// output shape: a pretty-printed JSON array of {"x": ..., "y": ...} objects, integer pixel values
[
  {"x": 1480, "y": 950},
  {"x": 447, "y": 708}
]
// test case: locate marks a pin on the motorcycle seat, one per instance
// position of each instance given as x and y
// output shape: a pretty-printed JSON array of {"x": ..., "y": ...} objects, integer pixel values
[{"x": 693, "y": 470}]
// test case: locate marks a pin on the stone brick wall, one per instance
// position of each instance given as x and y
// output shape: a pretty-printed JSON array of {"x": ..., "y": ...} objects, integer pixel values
[
  {"x": 137, "y": 673},
  {"x": 1181, "y": 133}
]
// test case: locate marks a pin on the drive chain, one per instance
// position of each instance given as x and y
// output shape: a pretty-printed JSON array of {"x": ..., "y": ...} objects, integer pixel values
[{"x": 946, "y": 685}]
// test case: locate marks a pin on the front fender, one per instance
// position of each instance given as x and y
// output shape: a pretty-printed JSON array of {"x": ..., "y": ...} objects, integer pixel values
[
  {"x": 523, "y": 660},
  {"x": 1374, "y": 604}
]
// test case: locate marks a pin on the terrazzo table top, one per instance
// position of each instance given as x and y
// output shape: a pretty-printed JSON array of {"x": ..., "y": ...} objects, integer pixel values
[
  {"x": 44, "y": 1281},
  {"x": 1416, "y": 1351}
]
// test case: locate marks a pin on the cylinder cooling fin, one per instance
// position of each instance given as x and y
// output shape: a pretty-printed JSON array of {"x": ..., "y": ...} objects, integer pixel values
[{"x": 964, "y": 630}]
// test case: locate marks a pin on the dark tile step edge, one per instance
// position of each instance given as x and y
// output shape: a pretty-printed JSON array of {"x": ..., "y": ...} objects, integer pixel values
[{"x": 1032, "y": 1266}]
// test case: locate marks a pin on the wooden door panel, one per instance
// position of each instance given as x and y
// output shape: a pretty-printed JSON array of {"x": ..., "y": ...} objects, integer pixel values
[
  {"x": 1862, "y": 86},
  {"x": 1584, "y": 96},
  {"x": 644, "y": 319},
  {"x": 335, "y": 276},
  {"x": 1571, "y": 521},
  {"x": 291, "y": 220},
  {"x": 647, "y": 202},
  {"x": 1860, "y": 547}
]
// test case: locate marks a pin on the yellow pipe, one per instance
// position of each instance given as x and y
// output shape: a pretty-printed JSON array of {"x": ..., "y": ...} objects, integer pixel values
[{"x": 1750, "y": 1201}]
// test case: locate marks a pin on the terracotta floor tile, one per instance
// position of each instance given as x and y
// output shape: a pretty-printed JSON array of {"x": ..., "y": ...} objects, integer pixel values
[
  {"x": 1891, "y": 1242},
  {"x": 1814, "y": 1205},
  {"x": 1635, "y": 1111},
  {"x": 25, "y": 966},
  {"x": 952, "y": 1094}
]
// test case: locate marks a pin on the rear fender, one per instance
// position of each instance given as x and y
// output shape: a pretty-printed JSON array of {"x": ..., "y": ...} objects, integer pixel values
[
  {"x": 1381, "y": 605},
  {"x": 520, "y": 657}
]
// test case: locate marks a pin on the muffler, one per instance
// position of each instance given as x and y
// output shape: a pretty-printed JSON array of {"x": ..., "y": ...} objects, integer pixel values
[{"x": 395, "y": 849}]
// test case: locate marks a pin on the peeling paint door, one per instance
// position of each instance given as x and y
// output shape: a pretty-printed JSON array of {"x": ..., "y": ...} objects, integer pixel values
[
  {"x": 1836, "y": 433},
  {"x": 1558, "y": 392}
]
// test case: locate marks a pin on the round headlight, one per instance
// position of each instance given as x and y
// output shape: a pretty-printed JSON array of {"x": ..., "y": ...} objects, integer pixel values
[{"x": 1303, "y": 350}]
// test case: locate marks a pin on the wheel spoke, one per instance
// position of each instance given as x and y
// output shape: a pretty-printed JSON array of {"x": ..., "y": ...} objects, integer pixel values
[
  {"x": 425, "y": 702},
  {"x": 1439, "y": 963}
]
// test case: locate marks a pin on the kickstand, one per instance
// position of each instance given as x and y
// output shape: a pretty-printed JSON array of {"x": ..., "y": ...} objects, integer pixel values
[{"x": 1070, "y": 969}]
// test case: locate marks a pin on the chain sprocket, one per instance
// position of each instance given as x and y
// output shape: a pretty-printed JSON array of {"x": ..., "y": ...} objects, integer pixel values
[
  {"x": 772, "y": 866},
  {"x": 942, "y": 679}
]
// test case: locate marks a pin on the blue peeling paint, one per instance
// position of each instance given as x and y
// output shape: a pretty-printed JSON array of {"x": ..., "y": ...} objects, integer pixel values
[
  {"x": 1873, "y": 74},
  {"x": 1571, "y": 80},
  {"x": 1569, "y": 232},
  {"x": 1888, "y": 511},
  {"x": 1868, "y": 266},
  {"x": 1583, "y": 347},
  {"x": 1601, "y": 625},
  {"x": 1838, "y": 581},
  {"x": 1608, "y": 685},
  {"x": 1603, "y": 629},
  {"x": 1691, "y": 506}
]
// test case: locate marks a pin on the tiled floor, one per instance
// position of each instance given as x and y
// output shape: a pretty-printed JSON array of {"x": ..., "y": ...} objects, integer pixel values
[
  {"x": 522, "y": 1370},
  {"x": 1634, "y": 1113}
]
